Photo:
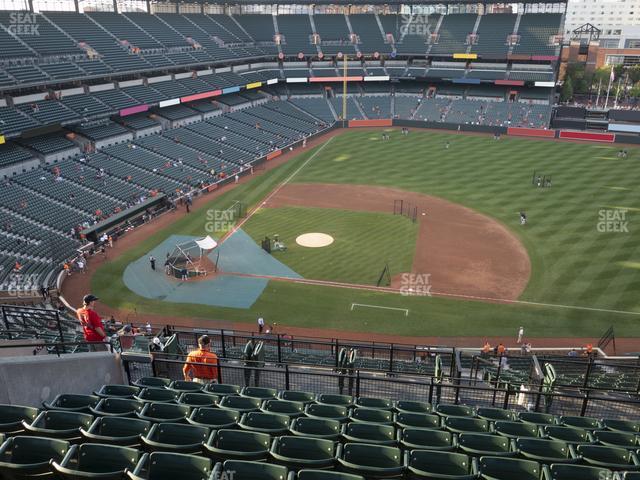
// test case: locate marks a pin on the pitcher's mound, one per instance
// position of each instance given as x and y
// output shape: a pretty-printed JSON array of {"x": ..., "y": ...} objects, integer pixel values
[{"x": 314, "y": 240}]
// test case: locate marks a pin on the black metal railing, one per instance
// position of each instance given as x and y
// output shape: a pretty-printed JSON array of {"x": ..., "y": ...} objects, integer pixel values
[{"x": 362, "y": 384}]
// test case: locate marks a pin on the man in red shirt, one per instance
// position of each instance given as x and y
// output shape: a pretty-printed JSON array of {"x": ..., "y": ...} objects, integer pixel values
[{"x": 91, "y": 323}]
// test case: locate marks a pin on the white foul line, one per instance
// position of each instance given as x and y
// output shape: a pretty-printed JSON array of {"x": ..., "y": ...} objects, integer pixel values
[
  {"x": 406, "y": 311},
  {"x": 274, "y": 192}
]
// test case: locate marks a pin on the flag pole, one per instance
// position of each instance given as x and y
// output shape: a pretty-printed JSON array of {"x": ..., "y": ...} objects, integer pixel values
[
  {"x": 599, "y": 88},
  {"x": 606, "y": 102},
  {"x": 615, "y": 102},
  {"x": 344, "y": 92}
]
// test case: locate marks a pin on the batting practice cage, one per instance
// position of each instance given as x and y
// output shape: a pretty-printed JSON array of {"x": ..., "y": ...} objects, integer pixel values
[{"x": 190, "y": 258}]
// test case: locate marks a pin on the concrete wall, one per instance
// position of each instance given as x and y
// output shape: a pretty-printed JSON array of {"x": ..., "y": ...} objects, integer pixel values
[{"x": 30, "y": 380}]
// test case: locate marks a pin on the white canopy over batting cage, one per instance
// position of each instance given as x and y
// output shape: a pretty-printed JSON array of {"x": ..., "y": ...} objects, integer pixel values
[{"x": 191, "y": 258}]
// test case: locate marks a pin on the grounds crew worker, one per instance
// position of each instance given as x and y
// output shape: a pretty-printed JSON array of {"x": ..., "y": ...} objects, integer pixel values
[
  {"x": 91, "y": 323},
  {"x": 193, "y": 368}
]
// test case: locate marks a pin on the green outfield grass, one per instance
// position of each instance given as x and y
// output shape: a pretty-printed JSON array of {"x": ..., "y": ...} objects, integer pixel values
[
  {"x": 573, "y": 263},
  {"x": 359, "y": 237}
]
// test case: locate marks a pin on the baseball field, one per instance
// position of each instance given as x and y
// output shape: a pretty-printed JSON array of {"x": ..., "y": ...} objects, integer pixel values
[{"x": 462, "y": 259}]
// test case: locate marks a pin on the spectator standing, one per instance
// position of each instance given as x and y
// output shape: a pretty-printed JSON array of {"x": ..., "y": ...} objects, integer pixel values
[
  {"x": 201, "y": 365},
  {"x": 91, "y": 323}
]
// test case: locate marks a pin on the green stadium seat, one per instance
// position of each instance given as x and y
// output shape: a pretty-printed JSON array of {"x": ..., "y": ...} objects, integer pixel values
[
  {"x": 223, "y": 389},
  {"x": 439, "y": 465},
  {"x": 176, "y": 437},
  {"x": 295, "y": 396},
  {"x": 332, "y": 412},
  {"x": 409, "y": 406},
  {"x": 118, "y": 407},
  {"x": 214, "y": 418},
  {"x": 198, "y": 399},
  {"x": 333, "y": 399},
  {"x": 622, "y": 426},
  {"x": 616, "y": 439},
  {"x": 613, "y": 458},
  {"x": 237, "y": 445},
  {"x": 466, "y": 424},
  {"x": 303, "y": 452},
  {"x": 24, "y": 457},
  {"x": 325, "y": 475},
  {"x": 371, "y": 415},
  {"x": 372, "y": 461},
  {"x": 72, "y": 403},
  {"x": 545, "y": 451},
  {"x": 477, "y": 444},
  {"x": 559, "y": 471},
  {"x": 58, "y": 424},
  {"x": 283, "y": 407},
  {"x": 240, "y": 404},
  {"x": 186, "y": 386},
  {"x": 376, "y": 434},
  {"x": 12, "y": 416},
  {"x": 370, "y": 402},
  {"x": 497, "y": 414},
  {"x": 516, "y": 429},
  {"x": 425, "y": 439},
  {"x": 122, "y": 431},
  {"x": 571, "y": 435},
  {"x": 448, "y": 410},
  {"x": 316, "y": 427},
  {"x": 244, "y": 470},
  {"x": 95, "y": 461},
  {"x": 259, "y": 392},
  {"x": 157, "y": 395},
  {"x": 538, "y": 418},
  {"x": 417, "y": 420},
  {"x": 171, "y": 466},
  {"x": 152, "y": 382},
  {"x": 586, "y": 423},
  {"x": 627, "y": 476},
  {"x": 165, "y": 412},
  {"x": 121, "y": 391},
  {"x": 500, "y": 468},
  {"x": 271, "y": 423}
]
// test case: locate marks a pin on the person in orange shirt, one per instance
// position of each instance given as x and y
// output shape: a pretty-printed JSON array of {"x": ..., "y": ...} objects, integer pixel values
[
  {"x": 589, "y": 349},
  {"x": 194, "y": 368},
  {"x": 486, "y": 349},
  {"x": 501, "y": 349}
]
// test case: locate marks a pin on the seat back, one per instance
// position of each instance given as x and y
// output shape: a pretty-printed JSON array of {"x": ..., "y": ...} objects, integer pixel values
[
  {"x": 440, "y": 463},
  {"x": 178, "y": 434},
  {"x": 170, "y": 466},
  {"x": 244, "y": 470},
  {"x": 369, "y": 432},
  {"x": 421, "y": 437},
  {"x": 240, "y": 441},
  {"x": 561, "y": 471},
  {"x": 214, "y": 417},
  {"x": 372, "y": 455},
  {"x": 305, "y": 448},
  {"x": 120, "y": 427},
  {"x": 501, "y": 468},
  {"x": 30, "y": 450},
  {"x": 315, "y": 426},
  {"x": 97, "y": 458},
  {"x": 418, "y": 420}
]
